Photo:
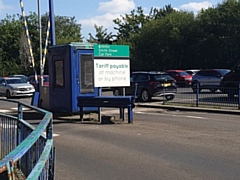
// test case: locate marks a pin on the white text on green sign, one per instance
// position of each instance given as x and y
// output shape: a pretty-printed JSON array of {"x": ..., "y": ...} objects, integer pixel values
[{"x": 103, "y": 50}]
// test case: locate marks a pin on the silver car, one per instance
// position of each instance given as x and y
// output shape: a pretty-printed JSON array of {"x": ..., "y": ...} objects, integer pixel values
[
  {"x": 208, "y": 79},
  {"x": 15, "y": 87}
]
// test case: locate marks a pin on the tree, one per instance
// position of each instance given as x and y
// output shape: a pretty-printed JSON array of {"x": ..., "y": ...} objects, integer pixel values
[
  {"x": 162, "y": 42},
  {"x": 67, "y": 30},
  {"x": 24, "y": 54},
  {"x": 101, "y": 37},
  {"x": 14, "y": 56},
  {"x": 10, "y": 29},
  {"x": 130, "y": 24}
]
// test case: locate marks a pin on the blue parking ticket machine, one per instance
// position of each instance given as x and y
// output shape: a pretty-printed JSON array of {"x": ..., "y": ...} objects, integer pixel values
[{"x": 70, "y": 76}]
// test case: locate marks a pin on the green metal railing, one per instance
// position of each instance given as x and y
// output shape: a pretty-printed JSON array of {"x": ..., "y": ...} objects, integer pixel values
[{"x": 25, "y": 150}]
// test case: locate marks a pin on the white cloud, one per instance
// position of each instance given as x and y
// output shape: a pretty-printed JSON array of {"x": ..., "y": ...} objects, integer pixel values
[
  {"x": 4, "y": 8},
  {"x": 110, "y": 11},
  {"x": 194, "y": 6},
  {"x": 116, "y": 6},
  {"x": 105, "y": 20}
]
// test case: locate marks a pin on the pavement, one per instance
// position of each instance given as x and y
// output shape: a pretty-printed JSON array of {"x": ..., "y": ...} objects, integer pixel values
[{"x": 188, "y": 108}]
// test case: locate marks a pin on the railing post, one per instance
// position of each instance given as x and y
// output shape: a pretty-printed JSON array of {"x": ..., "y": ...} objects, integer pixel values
[
  {"x": 20, "y": 117},
  {"x": 121, "y": 110},
  {"x": 49, "y": 135},
  {"x": 197, "y": 94},
  {"x": 164, "y": 95},
  {"x": 238, "y": 96},
  {"x": 135, "y": 92}
]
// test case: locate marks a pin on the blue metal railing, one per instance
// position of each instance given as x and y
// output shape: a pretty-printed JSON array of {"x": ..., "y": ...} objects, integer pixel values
[{"x": 26, "y": 149}]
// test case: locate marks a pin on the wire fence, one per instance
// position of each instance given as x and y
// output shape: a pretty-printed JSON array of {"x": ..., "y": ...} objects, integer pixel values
[{"x": 210, "y": 96}]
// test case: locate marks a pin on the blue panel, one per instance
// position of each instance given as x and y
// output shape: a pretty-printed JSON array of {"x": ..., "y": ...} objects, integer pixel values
[
  {"x": 35, "y": 99},
  {"x": 64, "y": 99},
  {"x": 76, "y": 79}
]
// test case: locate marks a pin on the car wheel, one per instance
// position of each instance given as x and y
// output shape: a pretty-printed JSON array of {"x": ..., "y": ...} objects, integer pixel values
[
  {"x": 145, "y": 96},
  {"x": 8, "y": 94},
  {"x": 169, "y": 97},
  {"x": 116, "y": 92}
]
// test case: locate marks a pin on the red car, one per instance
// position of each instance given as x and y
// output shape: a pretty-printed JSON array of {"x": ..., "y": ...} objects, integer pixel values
[{"x": 182, "y": 78}]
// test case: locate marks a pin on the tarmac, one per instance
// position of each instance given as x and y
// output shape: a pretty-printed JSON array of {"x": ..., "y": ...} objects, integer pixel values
[{"x": 111, "y": 116}]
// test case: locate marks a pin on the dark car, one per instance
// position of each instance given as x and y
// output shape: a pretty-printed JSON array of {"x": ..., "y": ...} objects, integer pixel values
[
  {"x": 182, "y": 78},
  {"x": 208, "y": 79},
  {"x": 149, "y": 84},
  {"x": 230, "y": 81}
]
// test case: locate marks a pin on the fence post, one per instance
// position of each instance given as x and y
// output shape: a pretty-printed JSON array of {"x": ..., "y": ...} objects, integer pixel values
[
  {"x": 49, "y": 135},
  {"x": 197, "y": 94},
  {"x": 164, "y": 95},
  {"x": 238, "y": 96},
  {"x": 20, "y": 117},
  {"x": 135, "y": 92}
]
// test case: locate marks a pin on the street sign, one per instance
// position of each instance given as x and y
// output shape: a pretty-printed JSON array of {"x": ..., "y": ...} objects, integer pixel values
[{"x": 105, "y": 50}]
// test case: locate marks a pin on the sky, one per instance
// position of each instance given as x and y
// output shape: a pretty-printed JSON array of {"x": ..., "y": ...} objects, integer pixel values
[{"x": 99, "y": 12}]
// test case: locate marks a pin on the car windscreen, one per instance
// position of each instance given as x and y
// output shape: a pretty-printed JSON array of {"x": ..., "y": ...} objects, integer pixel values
[
  {"x": 183, "y": 73},
  {"x": 45, "y": 79},
  {"x": 19, "y": 76},
  {"x": 224, "y": 71},
  {"x": 160, "y": 77},
  {"x": 15, "y": 81}
]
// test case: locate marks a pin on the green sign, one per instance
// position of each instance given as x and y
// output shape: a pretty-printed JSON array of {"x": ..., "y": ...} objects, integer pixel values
[{"x": 105, "y": 50}]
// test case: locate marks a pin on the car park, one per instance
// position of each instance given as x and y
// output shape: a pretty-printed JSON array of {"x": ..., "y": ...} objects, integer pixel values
[
  {"x": 15, "y": 87},
  {"x": 182, "y": 78},
  {"x": 149, "y": 84},
  {"x": 208, "y": 79}
]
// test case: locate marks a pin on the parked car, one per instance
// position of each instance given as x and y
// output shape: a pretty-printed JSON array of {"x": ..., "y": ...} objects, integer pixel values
[
  {"x": 32, "y": 80},
  {"x": 208, "y": 79},
  {"x": 149, "y": 84},
  {"x": 192, "y": 71},
  {"x": 230, "y": 81},
  {"x": 19, "y": 76},
  {"x": 182, "y": 78},
  {"x": 13, "y": 87}
]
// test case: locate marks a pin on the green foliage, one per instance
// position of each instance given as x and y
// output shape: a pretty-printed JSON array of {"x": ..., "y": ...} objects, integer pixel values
[
  {"x": 67, "y": 30},
  {"x": 10, "y": 29},
  {"x": 171, "y": 39},
  {"x": 220, "y": 33},
  {"x": 14, "y": 48},
  {"x": 160, "y": 45},
  {"x": 163, "y": 39}
]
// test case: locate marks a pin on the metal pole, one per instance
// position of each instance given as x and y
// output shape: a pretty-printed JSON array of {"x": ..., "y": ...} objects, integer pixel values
[
  {"x": 52, "y": 21},
  {"x": 40, "y": 43}
]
